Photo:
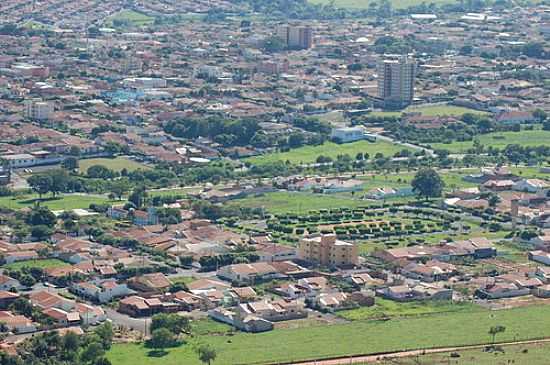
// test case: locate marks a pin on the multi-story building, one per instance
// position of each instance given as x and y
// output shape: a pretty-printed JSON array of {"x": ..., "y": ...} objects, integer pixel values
[
  {"x": 396, "y": 76},
  {"x": 296, "y": 37},
  {"x": 326, "y": 250},
  {"x": 37, "y": 109}
]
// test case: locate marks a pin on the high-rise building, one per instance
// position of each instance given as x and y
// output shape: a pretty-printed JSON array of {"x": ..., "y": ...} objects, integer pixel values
[
  {"x": 38, "y": 109},
  {"x": 396, "y": 76},
  {"x": 326, "y": 250},
  {"x": 295, "y": 37}
]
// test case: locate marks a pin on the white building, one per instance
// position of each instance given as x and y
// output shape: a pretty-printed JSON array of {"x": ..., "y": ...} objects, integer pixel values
[
  {"x": 396, "y": 75},
  {"x": 38, "y": 110},
  {"x": 348, "y": 134},
  {"x": 144, "y": 83}
]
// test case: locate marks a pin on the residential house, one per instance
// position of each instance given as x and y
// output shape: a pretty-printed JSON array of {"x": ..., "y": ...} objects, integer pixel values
[
  {"x": 17, "y": 323},
  {"x": 150, "y": 283},
  {"x": 248, "y": 273}
]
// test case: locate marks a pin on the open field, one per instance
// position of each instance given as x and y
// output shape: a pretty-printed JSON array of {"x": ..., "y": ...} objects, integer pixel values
[
  {"x": 308, "y": 154},
  {"x": 384, "y": 308},
  {"x": 63, "y": 202},
  {"x": 358, "y": 337},
  {"x": 532, "y": 354},
  {"x": 500, "y": 140},
  {"x": 363, "y": 4},
  {"x": 42, "y": 264},
  {"x": 296, "y": 202},
  {"x": 129, "y": 17},
  {"x": 116, "y": 164},
  {"x": 432, "y": 110}
]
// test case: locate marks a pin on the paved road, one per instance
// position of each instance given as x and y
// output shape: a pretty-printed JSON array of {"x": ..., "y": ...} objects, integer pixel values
[
  {"x": 394, "y": 355},
  {"x": 137, "y": 324}
]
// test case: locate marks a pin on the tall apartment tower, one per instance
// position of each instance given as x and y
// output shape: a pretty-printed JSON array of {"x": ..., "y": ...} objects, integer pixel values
[
  {"x": 295, "y": 37},
  {"x": 396, "y": 76},
  {"x": 38, "y": 110}
]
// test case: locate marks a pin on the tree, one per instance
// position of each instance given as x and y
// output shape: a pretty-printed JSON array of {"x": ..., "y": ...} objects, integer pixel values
[
  {"x": 173, "y": 322},
  {"x": 120, "y": 187},
  {"x": 105, "y": 333},
  {"x": 60, "y": 180},
  {"x": 99, "y": 172},
  {"x": 493, "y": 331},
  {"x": 70, "y": 163},
  {"x": 92, "y": 352},
  {"x": 138, "y": 196},
  {"x": 206, "y": 354},
  {"x": 427, "y": 183},
  {"x": 41, "y": 216},
  {"x": 41, "y": 232},
  {"x": 41, "y": 184},
  {"x": 161, "y": 338},
  {"x": 71, "y": 342},
  {"x": 540, "y": 115}
]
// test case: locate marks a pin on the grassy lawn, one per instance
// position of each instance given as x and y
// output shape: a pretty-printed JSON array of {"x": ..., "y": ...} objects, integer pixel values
[
  {"x": 500, "y": 140},
  {"x": 116, "y": 164},
  {"x": 296, "y": 202},
  {"x": 130, "y": 17},
  {"x": 384, "y": 308},
  {"x": 208, "y": 326},
  {"x": 363, "y": 4},
  {"x": 452, "y": 179},
  {"x": 308, "y": 154},
  {"x": 63, "y": 202},
  {"x": 42, "y": 264},
  {"x": 358, "y": 337},
  {"x": 532, "y": 354},
  {"x": 172, "y": 192},
  {"x": 432, "y": 110}
]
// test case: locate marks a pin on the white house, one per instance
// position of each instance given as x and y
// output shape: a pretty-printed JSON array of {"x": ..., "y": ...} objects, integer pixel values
[
  {"x": 531, "y": 185},
  {"x": 348, "y": 134},
  {"x": 17, "y": 323},
  {"x": 90, "y": 314},
  {"x": 101, "y": 291},
  {"x": 540, "y": 256}
]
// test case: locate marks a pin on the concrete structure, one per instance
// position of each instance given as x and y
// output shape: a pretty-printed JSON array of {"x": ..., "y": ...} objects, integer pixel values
[
  {"x": 37, "y": 109},
  {"x": 296, "y": 37},
  {"x": 396, "y": 76},
  {"x": 326, "y": 250}
]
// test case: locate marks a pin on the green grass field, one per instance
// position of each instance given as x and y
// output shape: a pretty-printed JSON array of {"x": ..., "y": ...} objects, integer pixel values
[
  {"x": 384, "y": 308},
  {"x": 500, "y": 140},
  {"x": 63, "y": 202},
  {"x": 531, "y": 354},
  {"x": 363, "y": 4},
  {"x": 432, "y": 110},
  {"x": 308, "y": 154},
  {"x": 359, "y": 337},
  {"x": 116, "y": 164},
  {"x": 296, "y": 202},
  {"x": 42, "y": 264},
  {"x": 130, "y": 17}
]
